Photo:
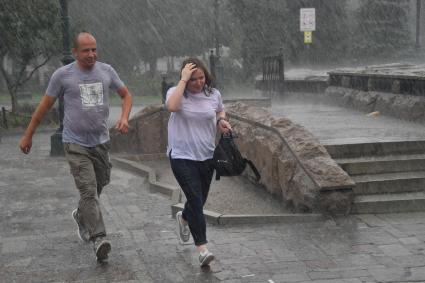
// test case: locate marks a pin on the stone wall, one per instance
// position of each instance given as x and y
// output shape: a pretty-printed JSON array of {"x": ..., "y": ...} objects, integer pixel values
[
  {"x": 402, "y": 106},
  {"x": 147, "y": 133},
  {"x": 292, "y": 163}
]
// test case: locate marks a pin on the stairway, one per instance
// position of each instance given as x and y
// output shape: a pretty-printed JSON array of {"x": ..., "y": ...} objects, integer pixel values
[{"x": 389, "y": 176}]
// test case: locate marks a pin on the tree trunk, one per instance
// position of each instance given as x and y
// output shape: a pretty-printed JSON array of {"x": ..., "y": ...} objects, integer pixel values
[{"x": 13, "y": 100}]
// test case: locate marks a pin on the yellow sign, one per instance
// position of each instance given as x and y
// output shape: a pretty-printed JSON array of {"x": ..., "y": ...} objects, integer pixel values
[{"x": 308, "y": 37}]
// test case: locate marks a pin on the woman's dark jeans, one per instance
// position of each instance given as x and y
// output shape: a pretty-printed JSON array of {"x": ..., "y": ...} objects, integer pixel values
[{"x": 194, "y": 177}]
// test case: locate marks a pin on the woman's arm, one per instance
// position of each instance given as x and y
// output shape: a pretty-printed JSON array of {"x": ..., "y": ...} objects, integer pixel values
[
  {"x": 175, "y": 99},
  {"x": 222, "y": 124}
]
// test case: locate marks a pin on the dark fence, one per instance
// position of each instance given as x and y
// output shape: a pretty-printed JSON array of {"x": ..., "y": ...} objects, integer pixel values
[
  {"x": 8, "y": 118},
  {"x": 273, "y": 73}
]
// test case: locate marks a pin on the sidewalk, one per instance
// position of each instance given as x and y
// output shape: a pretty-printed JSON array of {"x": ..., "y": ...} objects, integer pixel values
[{"x": 38, "y": 241}]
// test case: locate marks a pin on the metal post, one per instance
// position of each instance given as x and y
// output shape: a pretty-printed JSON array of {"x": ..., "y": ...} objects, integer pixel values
[
  {"x": 418, "y": 24},
  {"x": 3, "y": 110},
  {"x": 212, "y": 64},
  {"x": 164, "y": 87},
  {"x": 216, "y": 30},
  {"x": 56, "y": 147}
]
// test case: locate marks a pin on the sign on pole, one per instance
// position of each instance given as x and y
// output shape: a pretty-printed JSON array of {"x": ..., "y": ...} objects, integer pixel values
[
  {"x": 308, "y": 37},
  {"x": 307, "y": 19}
]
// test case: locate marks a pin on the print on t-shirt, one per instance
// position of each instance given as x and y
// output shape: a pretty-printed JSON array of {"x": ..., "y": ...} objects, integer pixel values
[{"x": 91, "y": 94}]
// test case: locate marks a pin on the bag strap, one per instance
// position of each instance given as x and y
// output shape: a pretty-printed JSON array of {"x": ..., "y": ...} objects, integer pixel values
[
  {"x": 254, "y": 169},
  {"x": 229, "y": 135}
]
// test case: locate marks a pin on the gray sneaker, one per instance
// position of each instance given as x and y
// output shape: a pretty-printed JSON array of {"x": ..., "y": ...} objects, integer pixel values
[
  {"x": 102, "y": 247},
  {"x": 82, "y": 232},
  {"x": 184, "y": 232},
  {"x": 206, "y": 258}
]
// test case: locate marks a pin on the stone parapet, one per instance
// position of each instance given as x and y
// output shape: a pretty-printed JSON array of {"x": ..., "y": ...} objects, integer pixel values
[
  {"x": 293, "y": 164},
  {"x": 402, "y": 106},
  {"x": 147, "y": 132}
]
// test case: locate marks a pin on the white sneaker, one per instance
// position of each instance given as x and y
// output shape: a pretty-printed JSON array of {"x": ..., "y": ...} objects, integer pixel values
[
  {"x": 184, "y": 232},
  {"x": 205, "y": 258},
  {"x": 82, "y": 233}
]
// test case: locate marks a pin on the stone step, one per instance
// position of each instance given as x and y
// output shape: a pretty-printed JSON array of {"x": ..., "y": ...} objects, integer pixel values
[
  {"x": 352, "y": 150},
  {"x": 382, "y": 164},
  {"x": 389, "y": 183},
  {"x": 389, "y": 203}
]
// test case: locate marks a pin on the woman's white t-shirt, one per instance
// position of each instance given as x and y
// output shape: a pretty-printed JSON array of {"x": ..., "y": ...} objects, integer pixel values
[{"x": 192, "y": 129}]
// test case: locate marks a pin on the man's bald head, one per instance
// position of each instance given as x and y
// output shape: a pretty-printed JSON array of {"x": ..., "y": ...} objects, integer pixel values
[
  {"x": 85, "y": 50},
  {"x": 82, "y": 36}
]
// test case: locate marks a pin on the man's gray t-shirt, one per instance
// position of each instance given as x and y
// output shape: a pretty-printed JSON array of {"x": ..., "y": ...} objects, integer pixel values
[
  {"x": 192, "y": 129},
  {"x": 86, "y": 101}
]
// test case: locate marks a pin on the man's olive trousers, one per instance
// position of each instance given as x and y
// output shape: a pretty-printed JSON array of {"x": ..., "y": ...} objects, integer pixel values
[{"x": 91, "y": 168}]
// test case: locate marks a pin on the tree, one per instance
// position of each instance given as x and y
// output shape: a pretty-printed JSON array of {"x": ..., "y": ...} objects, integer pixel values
[
  {"x": 30, "y": 36},
  {"x": 148, "y": 31},
  {"x": 270, "y": 26},
  {"x": 382, "y": 29}
]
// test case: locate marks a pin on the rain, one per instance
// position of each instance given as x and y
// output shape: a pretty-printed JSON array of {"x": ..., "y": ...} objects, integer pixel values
[{"x": 333, "y": 92}]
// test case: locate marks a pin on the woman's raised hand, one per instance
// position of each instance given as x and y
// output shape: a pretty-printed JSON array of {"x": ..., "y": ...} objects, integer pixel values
[{"x": 187, "y": 71}]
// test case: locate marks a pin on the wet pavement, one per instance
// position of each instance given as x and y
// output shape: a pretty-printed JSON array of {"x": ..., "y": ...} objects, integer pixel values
[
  {"x": 338, "y": 125},
  {"x": 38, "y": 240},
  {"x": 229, "y": 195}
]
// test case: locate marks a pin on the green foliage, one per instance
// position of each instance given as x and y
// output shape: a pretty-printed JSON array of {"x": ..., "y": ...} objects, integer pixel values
[
  {"x": 28, "y": 29},
  {"x": 30, "y": 35},
  {"x": 270, "y": 27},
  {"x": 132, "y": 31}
]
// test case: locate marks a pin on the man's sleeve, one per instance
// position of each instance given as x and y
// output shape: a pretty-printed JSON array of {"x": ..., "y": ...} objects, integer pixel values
[
  {"x": 116, "y": 82},
  {"x": 54, "y": 89}
]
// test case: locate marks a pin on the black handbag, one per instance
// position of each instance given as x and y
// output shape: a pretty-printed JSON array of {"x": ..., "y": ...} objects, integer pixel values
[{"x": 228, "y": 160}]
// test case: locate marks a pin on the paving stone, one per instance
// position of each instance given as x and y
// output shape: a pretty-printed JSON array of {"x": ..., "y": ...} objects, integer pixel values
[
  {"x": 354, "y": 280},
  {"x": 17, "y": 246},
  {"x": 401, "y": 261},
  {"x": 410, "y": 241},
  {"x": 314, "y": 275},
  {"x": 38, "y": 240},
  {"x": 390, "y": 274},
  {"x": 290, "y": 277},
  {"x": 394, "y": 250}
]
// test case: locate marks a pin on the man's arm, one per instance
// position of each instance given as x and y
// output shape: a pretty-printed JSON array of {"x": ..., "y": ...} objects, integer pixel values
[
  {"x": 122, "y": 124},
  {"x": 45, "y": 104}
]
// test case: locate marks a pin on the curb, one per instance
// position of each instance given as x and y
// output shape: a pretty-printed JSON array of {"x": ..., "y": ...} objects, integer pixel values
[
  {"x": 233, "y": 219},
  {"x": 211, "y": 217},
  {"x": 145, "y": 171}
]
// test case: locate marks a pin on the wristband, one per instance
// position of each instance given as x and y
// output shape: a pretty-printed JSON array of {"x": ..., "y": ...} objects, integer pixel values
[{"x": 219, "y": 119}]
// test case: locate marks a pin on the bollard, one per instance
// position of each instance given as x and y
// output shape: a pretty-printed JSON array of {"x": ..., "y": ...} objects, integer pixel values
[{"x": 164, "y": 88}]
